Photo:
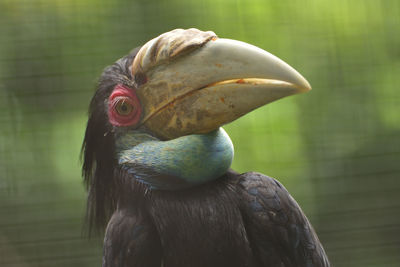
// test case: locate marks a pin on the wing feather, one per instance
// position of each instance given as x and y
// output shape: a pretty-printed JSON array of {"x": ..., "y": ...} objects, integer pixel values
[{"x": 279, "y": 232}]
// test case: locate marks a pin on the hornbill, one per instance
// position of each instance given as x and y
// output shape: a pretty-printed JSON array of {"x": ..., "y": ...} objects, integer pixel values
[{"x": 156, "y": 161}]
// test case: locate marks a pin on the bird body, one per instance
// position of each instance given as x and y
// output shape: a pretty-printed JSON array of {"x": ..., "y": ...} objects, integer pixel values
[
  {"x": 237, "y": 220},
  {"x": 157, "y": 163}
]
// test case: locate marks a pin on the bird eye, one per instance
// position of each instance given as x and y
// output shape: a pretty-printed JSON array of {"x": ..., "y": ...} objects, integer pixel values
[{"x": 124, "y": 107}]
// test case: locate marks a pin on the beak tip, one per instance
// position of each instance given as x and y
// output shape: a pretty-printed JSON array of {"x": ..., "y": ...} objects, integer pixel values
[
  {"x": 304, "y": 86},
  {"x": 305, "y": 89}
]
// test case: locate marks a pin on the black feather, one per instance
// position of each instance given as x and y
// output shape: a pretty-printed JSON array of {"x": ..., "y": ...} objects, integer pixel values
[
  {"x": 280, "y": 233},
  {"x": 197, "y": 227},
  {"x": 98, "y": 148},
  {"x": 238, "y": 220}
]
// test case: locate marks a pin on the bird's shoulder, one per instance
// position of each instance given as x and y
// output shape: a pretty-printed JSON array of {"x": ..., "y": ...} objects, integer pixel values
[{"x": 276, "y": 225}]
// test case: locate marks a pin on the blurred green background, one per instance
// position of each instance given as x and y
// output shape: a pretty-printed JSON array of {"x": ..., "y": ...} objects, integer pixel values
[{"x": 336, "y": 149}]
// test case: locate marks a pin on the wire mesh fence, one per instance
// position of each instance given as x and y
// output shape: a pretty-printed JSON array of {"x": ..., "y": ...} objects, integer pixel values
[{"x": 336, "y": 149}]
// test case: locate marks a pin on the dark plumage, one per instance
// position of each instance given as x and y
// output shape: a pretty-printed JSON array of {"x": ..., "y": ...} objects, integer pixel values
[
  {"x": 234, "y": 220},
  {"x": 238, "y": 220}
]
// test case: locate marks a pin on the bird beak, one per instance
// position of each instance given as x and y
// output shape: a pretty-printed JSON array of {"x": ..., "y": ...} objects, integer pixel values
[{"x": 191, "y": 82}]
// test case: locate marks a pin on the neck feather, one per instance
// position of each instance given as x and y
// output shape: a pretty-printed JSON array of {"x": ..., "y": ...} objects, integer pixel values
[{"x": 179, "y": 163}]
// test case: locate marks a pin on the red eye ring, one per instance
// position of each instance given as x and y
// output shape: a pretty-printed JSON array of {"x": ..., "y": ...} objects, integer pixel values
[{"x": 123, "y": 107}]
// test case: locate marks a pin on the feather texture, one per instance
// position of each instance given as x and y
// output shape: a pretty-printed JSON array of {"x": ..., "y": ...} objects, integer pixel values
[{"x": 238, "y": 220}]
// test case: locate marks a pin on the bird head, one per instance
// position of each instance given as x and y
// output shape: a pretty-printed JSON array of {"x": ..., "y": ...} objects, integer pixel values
[{"x": 155, "y": 118}]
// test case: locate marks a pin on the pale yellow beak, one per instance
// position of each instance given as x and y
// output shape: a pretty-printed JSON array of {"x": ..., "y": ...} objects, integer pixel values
[{"x": 197, "y": 82}]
